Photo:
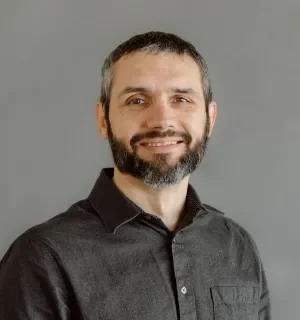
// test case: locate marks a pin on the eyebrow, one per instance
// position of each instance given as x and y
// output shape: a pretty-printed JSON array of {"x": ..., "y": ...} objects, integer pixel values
[{"x": 135, "y": 89}]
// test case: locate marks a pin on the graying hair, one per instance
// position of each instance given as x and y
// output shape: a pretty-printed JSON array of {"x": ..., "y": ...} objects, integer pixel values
[{"x": 154, "y": 42}]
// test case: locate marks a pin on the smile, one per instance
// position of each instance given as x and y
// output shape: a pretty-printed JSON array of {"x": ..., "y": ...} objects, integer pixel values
[{"x": 160, "y": 144}]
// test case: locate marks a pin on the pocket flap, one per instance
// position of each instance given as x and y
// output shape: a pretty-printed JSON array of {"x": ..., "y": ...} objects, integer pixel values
[{"x": 234, "y": 295}]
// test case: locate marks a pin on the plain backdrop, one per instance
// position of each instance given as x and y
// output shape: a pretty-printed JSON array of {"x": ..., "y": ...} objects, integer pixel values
[{"x": 51, "y": 54}]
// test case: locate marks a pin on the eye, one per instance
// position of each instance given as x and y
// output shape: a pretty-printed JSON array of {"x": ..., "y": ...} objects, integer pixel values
[
  {"x": 181, "y": 99},
  {"x": 136, "y": 101}
]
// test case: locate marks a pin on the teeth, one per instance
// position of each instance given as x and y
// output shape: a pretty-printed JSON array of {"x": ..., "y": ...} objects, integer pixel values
[{"x": 160, "y": 144}]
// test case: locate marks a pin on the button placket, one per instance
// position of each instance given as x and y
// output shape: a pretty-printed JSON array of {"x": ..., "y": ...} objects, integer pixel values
[{"x": 186, "y": 296}]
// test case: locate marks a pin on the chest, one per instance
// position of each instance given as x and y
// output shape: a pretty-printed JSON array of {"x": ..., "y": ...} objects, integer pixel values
[{"x": 175, "y": 279}]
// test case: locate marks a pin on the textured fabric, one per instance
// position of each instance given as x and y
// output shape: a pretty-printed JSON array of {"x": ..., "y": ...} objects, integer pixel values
[{"x": 104, "y": 258}]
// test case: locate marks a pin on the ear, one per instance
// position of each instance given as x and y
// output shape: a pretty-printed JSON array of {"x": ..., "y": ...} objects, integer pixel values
[
  {"x": 212, "y": 113},
  {"x": 100, "y": 118}
]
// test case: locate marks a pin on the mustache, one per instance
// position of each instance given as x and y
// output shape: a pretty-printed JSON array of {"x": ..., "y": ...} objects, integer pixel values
[{"x": 159, "y": 134}]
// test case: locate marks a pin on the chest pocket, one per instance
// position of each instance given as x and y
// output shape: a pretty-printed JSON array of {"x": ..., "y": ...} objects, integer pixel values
[{"x": 235, "y": 303}]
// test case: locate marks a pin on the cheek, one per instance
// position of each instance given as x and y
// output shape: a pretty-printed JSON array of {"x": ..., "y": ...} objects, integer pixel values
[
  {"x": 121, "y": 121},
  {"x": 123, "y": 131},
  {"x": 196, "y": 128}
]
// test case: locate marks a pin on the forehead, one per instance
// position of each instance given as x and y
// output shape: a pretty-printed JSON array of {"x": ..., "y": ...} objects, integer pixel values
[{"x": 156, "y": 71}]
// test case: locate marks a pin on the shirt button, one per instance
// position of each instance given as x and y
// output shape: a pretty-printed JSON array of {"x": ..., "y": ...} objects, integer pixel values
[{"x": 183, "y": 290}]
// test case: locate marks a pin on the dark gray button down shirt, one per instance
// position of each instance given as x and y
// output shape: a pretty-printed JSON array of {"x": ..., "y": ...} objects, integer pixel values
[{"x": 106, "y": 259}]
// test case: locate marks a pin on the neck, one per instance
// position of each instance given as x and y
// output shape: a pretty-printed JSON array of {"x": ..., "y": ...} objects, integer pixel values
[{"x": 168, "y": 203}]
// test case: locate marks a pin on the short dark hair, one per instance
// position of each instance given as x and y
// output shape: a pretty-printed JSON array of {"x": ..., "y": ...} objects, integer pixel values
[{"x": 154, "y": 42}]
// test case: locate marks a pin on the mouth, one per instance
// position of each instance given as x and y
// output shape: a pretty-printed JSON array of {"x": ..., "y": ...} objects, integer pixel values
[
  {"x": 161, "y": 146},
  {"x": 160, "y": 143}
]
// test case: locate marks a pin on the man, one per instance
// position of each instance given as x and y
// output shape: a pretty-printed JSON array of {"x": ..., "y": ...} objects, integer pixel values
[{"x": 142, "y": 245}]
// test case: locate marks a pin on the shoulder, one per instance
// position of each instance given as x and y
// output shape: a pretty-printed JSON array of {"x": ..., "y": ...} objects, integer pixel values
[
  {"x": 229, "y": 230},
  {"x": 56, "y": 233},
  {"x": 211, "y": 209}
]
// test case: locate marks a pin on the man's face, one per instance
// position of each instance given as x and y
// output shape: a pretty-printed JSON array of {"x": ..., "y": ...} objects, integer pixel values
[{"x": 158, "y": 127}]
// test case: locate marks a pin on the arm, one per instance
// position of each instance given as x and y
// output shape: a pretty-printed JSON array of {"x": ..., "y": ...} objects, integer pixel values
[
  {"x": 264, "y": 312},
  {"x": 264, "y": 308},
  {"x": 264, "y": 303},
  {"x": 31, "y": 286}
]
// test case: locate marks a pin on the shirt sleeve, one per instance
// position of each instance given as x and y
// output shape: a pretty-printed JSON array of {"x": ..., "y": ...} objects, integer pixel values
[
  {"x": 264, "y": 302},
  {"x": 264, "y": 312},
  {"x": 31, "y": 285}
]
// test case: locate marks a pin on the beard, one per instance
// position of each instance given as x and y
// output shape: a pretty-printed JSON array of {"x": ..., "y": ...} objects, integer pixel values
[{"x": 158, "y": 173}]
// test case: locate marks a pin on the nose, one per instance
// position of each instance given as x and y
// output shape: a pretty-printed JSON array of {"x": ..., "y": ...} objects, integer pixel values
[{"x": 161, "y": 116}]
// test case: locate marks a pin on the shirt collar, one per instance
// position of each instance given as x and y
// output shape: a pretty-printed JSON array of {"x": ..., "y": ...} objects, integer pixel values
[{"x": 116, "y": 209}]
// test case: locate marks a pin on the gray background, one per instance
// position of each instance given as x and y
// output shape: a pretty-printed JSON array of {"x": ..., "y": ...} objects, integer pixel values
[{"x": 51, "y": 53}]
